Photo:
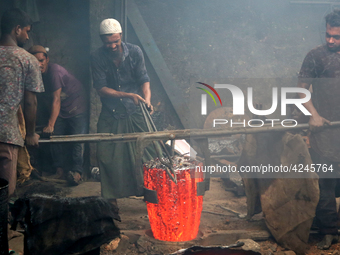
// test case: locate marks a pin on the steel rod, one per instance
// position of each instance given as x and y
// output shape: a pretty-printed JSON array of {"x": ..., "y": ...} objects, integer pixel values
[
  {"x": 175, "y": 134},
  {"x": 314, "y": 2}
]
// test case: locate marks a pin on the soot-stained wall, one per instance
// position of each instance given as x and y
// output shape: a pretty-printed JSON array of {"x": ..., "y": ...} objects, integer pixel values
[
  {"x": 64, "y": 29},
  {"x": 217, "y": 41}
]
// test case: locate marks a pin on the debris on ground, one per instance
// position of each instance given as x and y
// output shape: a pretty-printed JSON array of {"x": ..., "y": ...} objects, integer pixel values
[
  {"x": 57, "y": 226},
  {"x": 288, "y": 204},
  {"x": 250, "y": 245},
  {"x": 113, "y": 245},
  {"x": 222, "y": 226}
]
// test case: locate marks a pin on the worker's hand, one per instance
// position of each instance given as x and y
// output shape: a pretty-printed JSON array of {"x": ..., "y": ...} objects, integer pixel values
[
  {"x": 48, "y": 129},
  {"x": 316, "y": 123},
  {"x": 149, "y": 106},
  {"x": 32, "y": 140},
  {"x": 136, "y": 98}
]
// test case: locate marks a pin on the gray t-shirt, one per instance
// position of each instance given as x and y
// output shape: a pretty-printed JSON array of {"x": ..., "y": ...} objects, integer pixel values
[{"x": 321, "y": 68}]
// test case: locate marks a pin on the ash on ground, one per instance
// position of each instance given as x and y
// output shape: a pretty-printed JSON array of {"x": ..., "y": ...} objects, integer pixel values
[{"x": 227, "y": 145}]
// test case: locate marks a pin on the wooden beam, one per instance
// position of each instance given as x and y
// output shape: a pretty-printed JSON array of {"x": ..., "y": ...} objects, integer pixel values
[{"x": 152, "y": 51}]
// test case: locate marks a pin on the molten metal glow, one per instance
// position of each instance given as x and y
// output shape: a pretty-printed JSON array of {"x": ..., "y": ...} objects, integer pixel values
[{"x": 177, "y": 215}]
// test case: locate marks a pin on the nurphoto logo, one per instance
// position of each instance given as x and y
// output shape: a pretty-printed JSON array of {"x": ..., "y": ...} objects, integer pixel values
[{"x": 239, "y": 99}]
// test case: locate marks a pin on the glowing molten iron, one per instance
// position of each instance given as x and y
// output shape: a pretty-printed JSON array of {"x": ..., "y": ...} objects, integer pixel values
[{"x": 177, "y": 215}]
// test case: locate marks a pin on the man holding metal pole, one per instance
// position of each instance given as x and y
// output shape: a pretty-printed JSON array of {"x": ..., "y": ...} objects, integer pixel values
[
  {"x": 20, "y": 79},
  {"x": 321, "y": 68},
  {"x": 121, "y": 80},
  {"x": 65, "y": 96}
]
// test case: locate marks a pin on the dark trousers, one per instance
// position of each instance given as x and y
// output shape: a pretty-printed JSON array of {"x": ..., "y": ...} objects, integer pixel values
[
  {"x": 326, "y": 211},
  {"x": 69, "y": 156},
  {"x": 8, "y": 165}
]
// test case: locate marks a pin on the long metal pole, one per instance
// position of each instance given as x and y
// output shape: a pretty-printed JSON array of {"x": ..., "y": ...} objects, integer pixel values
[
  {"x": 175, "y": 134},
  {"x": 314, "y": 2}
]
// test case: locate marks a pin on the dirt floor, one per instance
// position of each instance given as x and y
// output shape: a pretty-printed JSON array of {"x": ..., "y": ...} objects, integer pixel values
[{"x": 218, "y": 225}]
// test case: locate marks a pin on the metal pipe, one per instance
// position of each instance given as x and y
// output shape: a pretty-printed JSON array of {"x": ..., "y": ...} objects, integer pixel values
[
  {"x": 314, "y": 2},
  {"x": 152, "y": 128},
  {"x": 175, "y": 134}
]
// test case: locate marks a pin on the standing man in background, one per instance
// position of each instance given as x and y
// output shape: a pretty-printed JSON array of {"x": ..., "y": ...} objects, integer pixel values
[
  {"x": 321, "y": 68},
  {"x": 20, "y": 79},
  {"x": 65, "y": 96},
  {"x": 121, "y": 80}
]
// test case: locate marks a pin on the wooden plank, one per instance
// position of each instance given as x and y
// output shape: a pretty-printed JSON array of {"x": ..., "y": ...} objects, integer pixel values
[{"x": 152, "y": 51}]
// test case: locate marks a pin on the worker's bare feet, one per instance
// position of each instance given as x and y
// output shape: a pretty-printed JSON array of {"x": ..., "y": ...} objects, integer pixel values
[
  {"x": 74, "y": 178},
  {"x": 327, "y": 241}
]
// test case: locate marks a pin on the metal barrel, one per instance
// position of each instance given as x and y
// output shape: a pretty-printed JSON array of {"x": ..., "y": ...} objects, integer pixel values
[{"x": 3, "y": 216}]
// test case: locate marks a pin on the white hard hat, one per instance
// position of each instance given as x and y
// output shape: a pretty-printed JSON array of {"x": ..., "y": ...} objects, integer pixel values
[{"x": 110, "y": 26}]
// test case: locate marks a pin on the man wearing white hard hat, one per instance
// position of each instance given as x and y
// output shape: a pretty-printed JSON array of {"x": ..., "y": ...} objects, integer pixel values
[{"x": 121, "y": 80}]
